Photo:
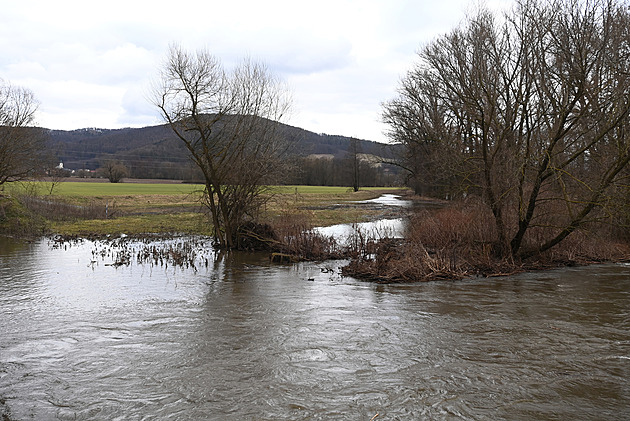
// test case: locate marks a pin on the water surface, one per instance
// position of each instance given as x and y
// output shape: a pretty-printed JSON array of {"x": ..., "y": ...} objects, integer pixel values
[{"x": 241, "y": 339}]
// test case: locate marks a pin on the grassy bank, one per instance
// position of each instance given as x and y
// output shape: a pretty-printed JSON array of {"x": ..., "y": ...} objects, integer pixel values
[
  {"x": 450, "y": 241},
  {"x": 19, "y": 221},
  {"x": 85, "y": 208}
]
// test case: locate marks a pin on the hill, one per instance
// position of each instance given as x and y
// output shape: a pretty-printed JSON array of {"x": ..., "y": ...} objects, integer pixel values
[{"x": 155, "y": 148}]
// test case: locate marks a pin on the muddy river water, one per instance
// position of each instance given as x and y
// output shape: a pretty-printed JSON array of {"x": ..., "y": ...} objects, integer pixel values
[{"x": 238, "y": 338}]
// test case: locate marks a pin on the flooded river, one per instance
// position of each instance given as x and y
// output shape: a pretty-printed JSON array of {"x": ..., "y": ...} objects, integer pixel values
[{"x": 237, "y": 338}]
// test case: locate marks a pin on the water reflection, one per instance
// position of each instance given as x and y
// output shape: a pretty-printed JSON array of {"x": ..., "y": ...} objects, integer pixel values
[
  {"x": 388, "y": 200},
  {"x": 383, "y": 228},
  {"x": 9, "y": 246},
  {"x": 243, "y": 339}
]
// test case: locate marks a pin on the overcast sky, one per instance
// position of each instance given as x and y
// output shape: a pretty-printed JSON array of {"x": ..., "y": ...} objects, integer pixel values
[{"x": 90, "y": 64}]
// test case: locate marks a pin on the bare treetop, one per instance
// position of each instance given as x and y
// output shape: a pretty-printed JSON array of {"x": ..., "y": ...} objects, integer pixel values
[
  {"x": 228, "y": 121},
  {"x": 17, "y": 105},
  {"x": 21, "y": 147},
  {"x": 528, "y": 110}
]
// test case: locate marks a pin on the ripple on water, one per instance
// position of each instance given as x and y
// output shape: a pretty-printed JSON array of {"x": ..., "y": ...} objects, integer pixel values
[{"x": 248, "y": 340}]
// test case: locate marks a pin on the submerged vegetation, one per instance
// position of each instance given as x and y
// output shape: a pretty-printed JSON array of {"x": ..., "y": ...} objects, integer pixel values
[
  {"x": 518, "y": 122},
  {"x": 447, "y": 240}
]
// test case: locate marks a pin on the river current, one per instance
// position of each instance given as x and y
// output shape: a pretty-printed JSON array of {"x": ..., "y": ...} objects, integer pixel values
[{"x": 239, "y": 338}]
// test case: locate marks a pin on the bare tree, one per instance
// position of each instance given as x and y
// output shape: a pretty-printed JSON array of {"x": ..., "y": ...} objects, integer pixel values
[
  {"x": 55, "y": 176},
  {"x": 114, "y": 171},
  {"x": 229, "y": 124},
  {"x": 22, "y": 146},
  {"x": 353, "y": 159},
  {"x": 529, "y": 110}
]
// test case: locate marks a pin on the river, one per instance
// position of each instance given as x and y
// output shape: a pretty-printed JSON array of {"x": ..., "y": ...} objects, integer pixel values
[{"x": 239, "y": 338}]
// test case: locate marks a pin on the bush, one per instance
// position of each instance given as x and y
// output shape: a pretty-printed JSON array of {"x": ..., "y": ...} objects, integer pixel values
[
  {"x": 459, "y": 240},
  {"x": 295, "y": 237},
  {"x": 56, "y": 209},
  {"x": 17, "y": 220}
]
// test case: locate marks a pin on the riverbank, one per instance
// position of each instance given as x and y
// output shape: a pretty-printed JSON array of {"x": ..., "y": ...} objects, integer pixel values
[
  {"x": 16, "y": 220},
  {"x": 92, "y": 209},
  {"x": 457, "y": 240},
  {"x": 442, "y": 241}
]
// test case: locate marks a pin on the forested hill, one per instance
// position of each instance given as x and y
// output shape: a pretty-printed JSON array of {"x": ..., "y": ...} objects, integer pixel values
[{"x": 157, "y": 146}]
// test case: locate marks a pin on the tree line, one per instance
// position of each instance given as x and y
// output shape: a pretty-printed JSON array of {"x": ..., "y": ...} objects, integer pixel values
[
  {"x": 311, "y": 170},
  {"x": 526, "y": 110}
]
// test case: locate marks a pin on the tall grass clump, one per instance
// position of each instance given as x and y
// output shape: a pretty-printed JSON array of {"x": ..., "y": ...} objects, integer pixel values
[
  {"x": 36, "y": 197},
  {"x": 57, "y": 209},
  {"x": 446, "y": 243},
  {"x": 295, "y": 239}
]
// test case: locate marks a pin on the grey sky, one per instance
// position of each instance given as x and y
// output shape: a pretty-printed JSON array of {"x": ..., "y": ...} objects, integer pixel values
[{"x": 90, "y": 63}]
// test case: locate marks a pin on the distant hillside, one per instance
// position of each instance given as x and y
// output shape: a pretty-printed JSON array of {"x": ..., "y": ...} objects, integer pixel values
[{"x": 156, "y": 146}]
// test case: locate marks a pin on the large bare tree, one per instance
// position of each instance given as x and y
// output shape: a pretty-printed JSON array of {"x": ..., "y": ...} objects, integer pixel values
[
  {"x": 229, "y": 121},
  {"x": 529, "y": 110},
  {"x": 21, "y": 146}
]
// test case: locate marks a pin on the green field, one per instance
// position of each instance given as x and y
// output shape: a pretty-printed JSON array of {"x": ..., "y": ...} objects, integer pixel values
[
  {"x": 88, "y": 189},
  {"x": 135, "y": 208}
]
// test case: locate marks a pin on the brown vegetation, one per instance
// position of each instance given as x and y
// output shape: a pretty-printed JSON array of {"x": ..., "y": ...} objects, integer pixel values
[
  {"x": 528, "y": 111},
  {"x": 17, "y": 220},
  {"x": 295, "y": 237},
  {"x": 55, "y": 209},
  {"x": 458, "y": 240}
]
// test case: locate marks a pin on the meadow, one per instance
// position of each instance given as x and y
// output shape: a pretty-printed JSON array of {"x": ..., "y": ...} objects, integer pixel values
[
  {"x": 97, "y": 208},
  {"x": 99, "y": 189},
  {"x": 87, "y": 189}
]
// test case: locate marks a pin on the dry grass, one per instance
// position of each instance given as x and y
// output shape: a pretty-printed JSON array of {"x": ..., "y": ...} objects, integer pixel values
[
  {"x": 295, "y": 237},
  {"x": 447, "y": 243},
  {"x": 324, "y": 206},
  {"x": 88, "y": 208},
  {"x": 460, "y": 240}
]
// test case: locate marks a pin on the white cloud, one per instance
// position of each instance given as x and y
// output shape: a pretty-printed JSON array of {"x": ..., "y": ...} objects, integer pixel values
[
  {"x": 137, "y": 110},
  {"x": 89, "y": 63}
]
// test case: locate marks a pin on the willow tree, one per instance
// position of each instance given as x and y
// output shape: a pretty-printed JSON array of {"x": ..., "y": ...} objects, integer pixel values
[
  {"x": 230, "y": 123},
  {"x": 529, "y": 110},
  {"x": 22, "y": 146}
]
